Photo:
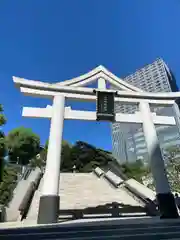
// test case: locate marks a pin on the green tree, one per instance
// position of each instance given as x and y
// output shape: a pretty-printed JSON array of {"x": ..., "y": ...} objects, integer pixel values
[
  {"x": 86, "y": 157},
  {"x": 8, "y": 184},
  {"x": 66, "y": 163},
  {"x": 135, "y": 170},
  {"x": 83, "y": 155},
  {"x": 172, "y": 162},
  {"x": 2, "y": 142},
  {"x": 46, "y": 145},
  {"x": 22, "y": 145},
  {"x": 38, "y": 160}
]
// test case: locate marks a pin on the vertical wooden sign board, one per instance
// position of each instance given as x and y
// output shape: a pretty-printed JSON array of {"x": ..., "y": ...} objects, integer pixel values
[{"x": 105, "y": 106}]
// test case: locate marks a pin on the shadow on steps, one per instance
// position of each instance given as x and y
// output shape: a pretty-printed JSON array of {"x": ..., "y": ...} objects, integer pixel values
[{"x": 113, "y": 209}]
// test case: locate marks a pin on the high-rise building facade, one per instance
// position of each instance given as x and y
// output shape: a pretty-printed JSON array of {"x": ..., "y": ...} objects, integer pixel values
[{"x": 128, "y": 140}]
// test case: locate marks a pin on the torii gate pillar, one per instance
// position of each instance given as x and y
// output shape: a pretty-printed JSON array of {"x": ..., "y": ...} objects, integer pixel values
[
  {"x": 164, "y": 196},
  {"x": 49, "y": 200}
]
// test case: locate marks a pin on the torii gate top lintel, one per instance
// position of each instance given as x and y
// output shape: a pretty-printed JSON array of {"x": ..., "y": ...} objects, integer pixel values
[
  {"x": 100, "y": 72},
  {"x": 83, "y": 80},
  {"x": 75, "y": 88}
]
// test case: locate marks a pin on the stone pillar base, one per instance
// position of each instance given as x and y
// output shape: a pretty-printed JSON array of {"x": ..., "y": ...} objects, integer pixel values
[
  {"x": 48, "y": 209},
  {"x": 167, "y": 206}
]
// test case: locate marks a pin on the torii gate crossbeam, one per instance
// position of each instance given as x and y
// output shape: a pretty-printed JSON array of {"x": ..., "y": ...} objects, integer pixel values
[{"x": 91, "y": 116}]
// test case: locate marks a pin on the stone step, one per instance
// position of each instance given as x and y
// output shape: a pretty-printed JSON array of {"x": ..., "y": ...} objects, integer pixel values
[{"x": 88, "y": 190}]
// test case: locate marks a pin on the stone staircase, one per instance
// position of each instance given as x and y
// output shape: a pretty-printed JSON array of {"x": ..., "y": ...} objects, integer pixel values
[
  {"x": 93, "y": 208},
  {"x": 79, "y": 191}
]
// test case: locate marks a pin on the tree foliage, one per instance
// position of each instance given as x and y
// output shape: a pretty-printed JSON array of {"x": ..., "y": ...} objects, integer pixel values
[
  {"x": 2, "y": 142},
  {"x": 2, "y": 117},
  {"x": 83, "y": 156},
  {"x": 66, "y": 163},
  {"x": 172, "y": 162},
  {"x": 135, "y": 170},
  {"x": 2, "y": 135},
  {"x": 22, "y": 145},
  {"x": 172, "y": 165},
  {"x": 8, "y": 184},
  {"x": 65, "y": 154},
  {"x": 86, "y": 157}
]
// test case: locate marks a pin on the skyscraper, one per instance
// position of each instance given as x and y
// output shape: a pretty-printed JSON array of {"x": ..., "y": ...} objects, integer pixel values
[{"x": 128, "y": 141}]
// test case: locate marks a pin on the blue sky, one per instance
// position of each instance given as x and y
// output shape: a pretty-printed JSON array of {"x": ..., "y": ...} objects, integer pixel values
[{"x": 55, "y": 40}]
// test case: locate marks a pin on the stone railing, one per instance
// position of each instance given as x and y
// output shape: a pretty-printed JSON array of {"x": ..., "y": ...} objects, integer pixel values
[
  {"x": 115, "y": 180},
  {"x": 28, "y": 196},
  {"x": 99, "y": 172},
  {"x": 138, "y": 191},
  {"x": 144, "y": 194}
]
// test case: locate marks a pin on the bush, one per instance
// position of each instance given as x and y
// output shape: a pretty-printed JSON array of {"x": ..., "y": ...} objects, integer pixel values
[
  {"x": 7, "y": 185},
  {"x": 135, "y": 170}
]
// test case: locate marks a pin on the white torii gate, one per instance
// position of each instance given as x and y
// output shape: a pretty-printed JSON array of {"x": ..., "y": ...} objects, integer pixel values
[{"x": 126, "y": 93}]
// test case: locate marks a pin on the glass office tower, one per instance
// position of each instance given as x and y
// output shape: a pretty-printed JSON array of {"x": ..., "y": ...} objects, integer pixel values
[{"x": 128, "y": 140}]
